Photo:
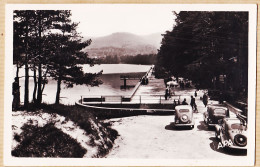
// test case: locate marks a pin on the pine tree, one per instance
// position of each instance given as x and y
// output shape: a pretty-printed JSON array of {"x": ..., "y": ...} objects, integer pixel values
[
  {"x": 23, "y": 21},
  {"x": 52, "y": 48},
  {"x": 65, "y": 53},
  {"x": 45, "y": 19},
  {"x": 202, "y": 45}
]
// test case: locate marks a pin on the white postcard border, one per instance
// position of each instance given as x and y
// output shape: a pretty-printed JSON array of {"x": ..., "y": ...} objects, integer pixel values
[{"x": 14, "y": 161}]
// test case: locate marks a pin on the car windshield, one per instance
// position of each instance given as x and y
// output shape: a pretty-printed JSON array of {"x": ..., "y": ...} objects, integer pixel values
[
  {"x": 220, "y": 111},
  {"x": 237, "y": 126},
  {"x": 183, "y": 110}
]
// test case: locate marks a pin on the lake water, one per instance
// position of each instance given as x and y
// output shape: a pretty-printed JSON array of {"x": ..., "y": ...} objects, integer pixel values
[{"x": 110, "y": 77}]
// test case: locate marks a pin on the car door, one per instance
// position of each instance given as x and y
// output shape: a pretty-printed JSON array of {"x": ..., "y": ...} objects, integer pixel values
[{"x": 222, "y": 132}]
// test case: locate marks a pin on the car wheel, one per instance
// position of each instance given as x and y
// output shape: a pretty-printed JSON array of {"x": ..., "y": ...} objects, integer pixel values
[{"x": 240, "y": 140}]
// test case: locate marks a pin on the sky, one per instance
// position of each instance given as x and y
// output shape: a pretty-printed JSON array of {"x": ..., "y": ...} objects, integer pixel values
[
  {"x": 101, "y": 20},
  {"x": 141, "y": 19}
]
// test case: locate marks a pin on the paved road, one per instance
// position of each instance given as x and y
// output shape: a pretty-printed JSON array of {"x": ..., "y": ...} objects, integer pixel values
[{"x": 155, "y": 137}]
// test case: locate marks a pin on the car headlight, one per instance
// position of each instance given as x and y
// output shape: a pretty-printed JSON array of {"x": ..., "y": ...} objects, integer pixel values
[{"x": 184, "y": 118}]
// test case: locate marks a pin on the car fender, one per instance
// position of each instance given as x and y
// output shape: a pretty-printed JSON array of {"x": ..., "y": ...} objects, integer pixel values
[
  {"x": 231, "y": 136},
  {"x": 217, "y": 127},
  {"x": 205, "y": 117}
]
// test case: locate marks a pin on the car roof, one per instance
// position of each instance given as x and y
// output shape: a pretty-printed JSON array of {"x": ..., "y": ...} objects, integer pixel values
[
  {"x": 231, "y": 120},
  {"x": 214, "y": 106}
]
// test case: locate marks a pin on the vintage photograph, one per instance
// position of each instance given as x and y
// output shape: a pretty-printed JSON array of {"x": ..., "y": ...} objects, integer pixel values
[{"x": 145, "y": 82}]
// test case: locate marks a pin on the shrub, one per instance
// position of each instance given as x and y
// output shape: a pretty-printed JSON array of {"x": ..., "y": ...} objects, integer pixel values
[
  {"x": 47, "y": 141},
  {"x": 85, "y": 120}
]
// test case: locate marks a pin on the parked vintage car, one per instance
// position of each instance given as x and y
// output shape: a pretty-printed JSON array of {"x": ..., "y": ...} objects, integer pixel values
[
  {"x": 232, "y": 133},
  {"x": 214, "y": 113},
  {"x": 184, "y": 116}
]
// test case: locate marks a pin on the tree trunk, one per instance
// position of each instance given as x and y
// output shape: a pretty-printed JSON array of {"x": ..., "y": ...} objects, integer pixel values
[
  {"x": 26, "y": 86},
  {"x": 39, "y": 92},
  {"x": 58, "y": 90},
  {"x": 45, "y": 78},
  {"x": 16, "y": 90},
  {"x": 18, "y": 83},
  {"x": 35, "y": 85},
  {"x": 26, "y": 82},
  {"x": 59, "y": 82}
]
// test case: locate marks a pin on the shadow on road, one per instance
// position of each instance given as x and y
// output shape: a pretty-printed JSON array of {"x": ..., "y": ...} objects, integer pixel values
[
  {"x": 172, "y": 127},
  {"x": 228, "y": 151},
  {"x": 204, "y": 127}
]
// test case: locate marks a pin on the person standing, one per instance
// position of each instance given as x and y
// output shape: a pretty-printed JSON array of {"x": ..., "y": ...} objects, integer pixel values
[
  {"x": 193, "y": 104},
  {"x": 166, "y": 93},
  {"x": 205, "y": 99},
  {"x": 192, "y": 101},
  {"x": 146, "y": 80},
  {"x": 16, "y": 93},
  {"x": 195, "y": 94},
  {"x": 165, "y": 81},
  {"x": 221, "y": 98},
  {"x": 184, "y": 102}
]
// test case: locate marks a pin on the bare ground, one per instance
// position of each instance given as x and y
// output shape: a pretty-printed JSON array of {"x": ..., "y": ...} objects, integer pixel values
[{"x": 155, "y": 137}]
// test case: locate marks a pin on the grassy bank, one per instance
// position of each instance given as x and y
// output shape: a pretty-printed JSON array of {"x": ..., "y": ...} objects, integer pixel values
[{"x": 60, "y": 131}]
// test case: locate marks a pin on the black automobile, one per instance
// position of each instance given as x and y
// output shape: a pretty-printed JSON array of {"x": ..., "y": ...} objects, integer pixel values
[
  {"x": 232, "y": 133},
  {"x": 214, "y": 113}
]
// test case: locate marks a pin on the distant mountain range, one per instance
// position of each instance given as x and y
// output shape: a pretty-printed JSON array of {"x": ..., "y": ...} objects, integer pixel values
[{"x": 122, "y": 44}]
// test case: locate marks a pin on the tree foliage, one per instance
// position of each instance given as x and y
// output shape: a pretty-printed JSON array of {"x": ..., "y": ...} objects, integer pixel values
[
  {"x": 64, "y": 54},
  {"x": 204, "y": 45},
  {"x": 52, "y": 48}
]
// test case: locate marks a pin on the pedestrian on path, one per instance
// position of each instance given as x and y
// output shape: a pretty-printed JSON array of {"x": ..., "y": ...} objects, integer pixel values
[
  {"x": 184, "y": 102},
  {"x": 146, "y": 81},
  {"x": 195, "y": 94},
  {"x": 16, "y": 93},
  {"x": 221, "y": 98},
  {"x": 205, "y": 99},
  {"x": 193, "y": 104},
  {"x": 166, "y": 93},
  {"x": 182, "y": 85},
  {"x": 143, "y": 81}
]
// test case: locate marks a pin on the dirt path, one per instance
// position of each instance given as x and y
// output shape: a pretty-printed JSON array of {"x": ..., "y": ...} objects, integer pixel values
[{"x": 154, "y": 137}]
